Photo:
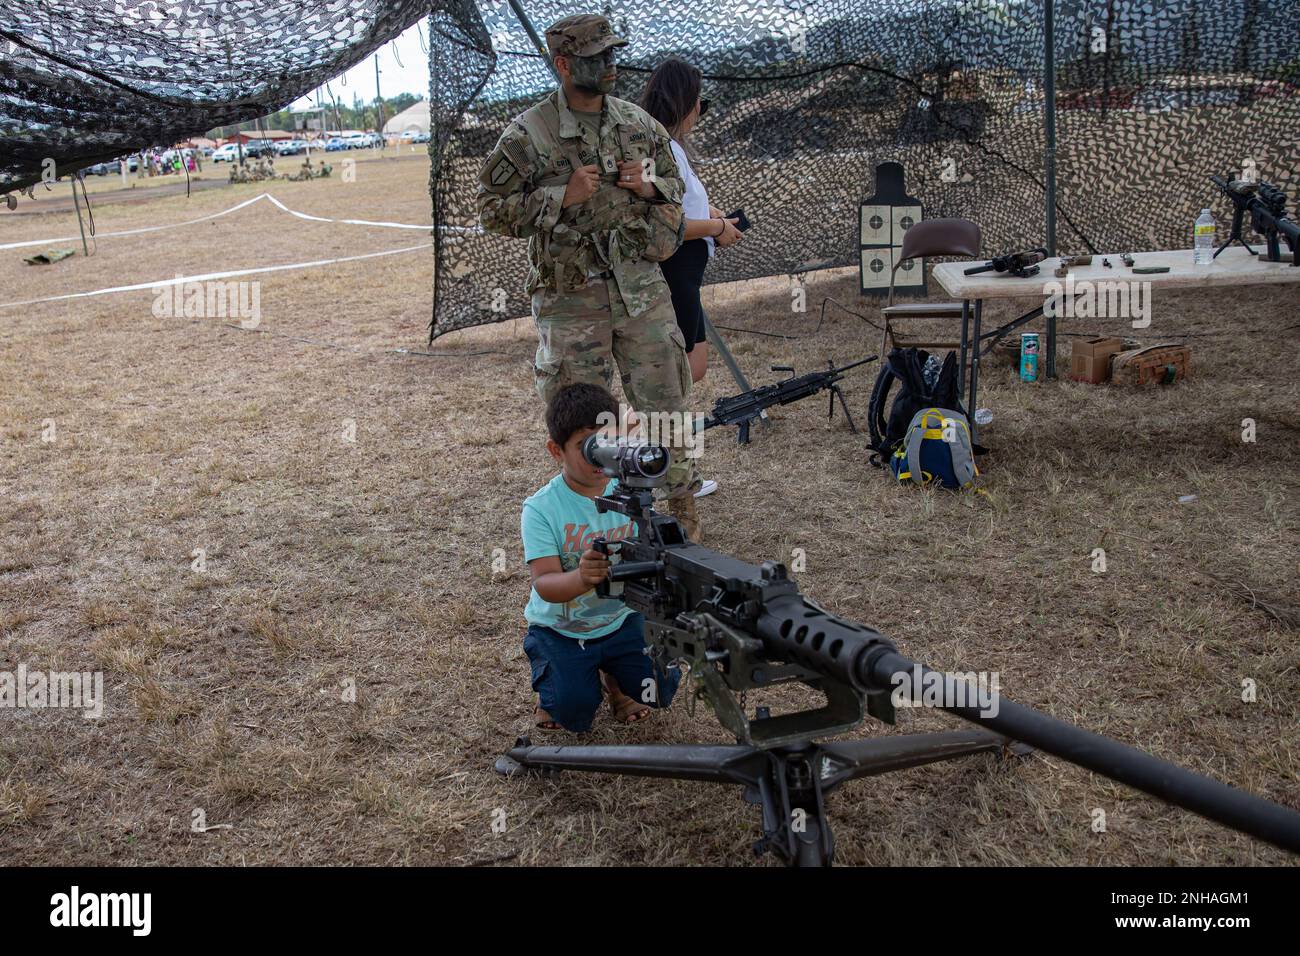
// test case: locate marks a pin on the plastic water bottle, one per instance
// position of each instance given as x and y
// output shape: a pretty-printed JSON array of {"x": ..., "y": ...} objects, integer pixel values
[
  {"x": 1203, "y": 239},
  {"x": 930, "y": 373}
]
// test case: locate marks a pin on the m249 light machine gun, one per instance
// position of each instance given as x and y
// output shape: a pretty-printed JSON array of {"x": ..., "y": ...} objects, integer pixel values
[
  {"x": 1267, "y": 207},
  {"x": 740, "y": 627},
  {"x": 743, "y": 409}
]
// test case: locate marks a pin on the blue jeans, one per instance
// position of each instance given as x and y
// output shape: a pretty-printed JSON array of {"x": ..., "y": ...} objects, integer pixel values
[{"x": 565, "y": 671}]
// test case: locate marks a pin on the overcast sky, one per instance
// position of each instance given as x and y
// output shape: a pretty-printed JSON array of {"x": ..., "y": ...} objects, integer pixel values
[{"x": 410, "y": 75}]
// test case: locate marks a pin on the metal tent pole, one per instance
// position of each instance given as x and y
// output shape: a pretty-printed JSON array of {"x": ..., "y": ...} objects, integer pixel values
[
  {"x": 85, "y": 250},
  {"x": 715, "y": 338},
  {"x": 1049, "y": 109},
  {"x": 379, "y": 101},
  {"x": 518, "y": 8},
  {"x": 1049, "y": 93}
]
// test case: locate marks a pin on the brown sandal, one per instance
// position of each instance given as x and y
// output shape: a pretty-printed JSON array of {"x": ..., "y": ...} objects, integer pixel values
[
  {"x": 628, "y": 711},
  {"x": 625, "y": 709},
  {"x": 542, "y": 720}
]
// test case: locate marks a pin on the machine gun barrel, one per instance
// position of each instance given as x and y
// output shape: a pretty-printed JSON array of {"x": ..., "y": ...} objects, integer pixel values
[
  {"x": 1192, "y": 791},
  {"x": 792, "y": 629},
  {"x": 844, "y": 368}
]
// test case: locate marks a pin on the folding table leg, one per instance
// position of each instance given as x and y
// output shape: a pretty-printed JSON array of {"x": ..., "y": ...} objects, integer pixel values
[
  {"x": 975, "y": 368},
  {"x": 961, "y": 365},
  {"x": 1051, "y": 345}
]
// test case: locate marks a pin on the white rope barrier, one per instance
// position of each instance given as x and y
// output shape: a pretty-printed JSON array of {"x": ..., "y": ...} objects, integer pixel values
[
  {"x": 177, "y": 280},
  {"x": 458, "y": 230}
]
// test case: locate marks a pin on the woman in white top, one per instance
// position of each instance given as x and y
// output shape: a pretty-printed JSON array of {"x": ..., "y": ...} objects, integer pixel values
[{"x": 672, "y": 96}]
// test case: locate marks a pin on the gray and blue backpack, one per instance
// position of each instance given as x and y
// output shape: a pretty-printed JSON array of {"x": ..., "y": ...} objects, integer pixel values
[{"x": 936, "y": 448}]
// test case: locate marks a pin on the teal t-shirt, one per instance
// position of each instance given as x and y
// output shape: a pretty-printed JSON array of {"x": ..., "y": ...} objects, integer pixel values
[{"x": 559, "y": 522}]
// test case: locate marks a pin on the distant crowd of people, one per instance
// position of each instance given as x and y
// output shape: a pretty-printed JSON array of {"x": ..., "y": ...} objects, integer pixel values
[{"x": 156, "y": 162}]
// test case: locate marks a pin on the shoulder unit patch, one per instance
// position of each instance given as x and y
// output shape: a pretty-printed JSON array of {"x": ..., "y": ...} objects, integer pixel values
[{"x": 503, "y": 172}]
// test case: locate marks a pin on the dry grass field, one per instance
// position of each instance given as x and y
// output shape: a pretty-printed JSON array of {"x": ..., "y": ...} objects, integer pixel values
[{"x": 332, "y": 564}]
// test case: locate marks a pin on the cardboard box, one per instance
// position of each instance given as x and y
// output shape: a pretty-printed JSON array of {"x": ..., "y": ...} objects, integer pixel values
[
  {"x": 1090, "y": 359},
  {"x": 1161, "y": 364}
]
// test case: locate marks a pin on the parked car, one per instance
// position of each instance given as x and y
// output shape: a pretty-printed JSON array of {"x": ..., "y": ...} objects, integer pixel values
[
  {"x": 257, "y": 147},
  {"x": 227, "y": 153},
  {"x": 334, "y": 144},
  {"x": 114, "y": 166},
  {"x": 355, "y": 141},
  {"x": 290, "y": 147},
  {"x": 421, "y": 138}
]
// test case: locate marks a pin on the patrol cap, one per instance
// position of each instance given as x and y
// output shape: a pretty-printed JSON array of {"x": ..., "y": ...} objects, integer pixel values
[{"x": 583, "y": 34}]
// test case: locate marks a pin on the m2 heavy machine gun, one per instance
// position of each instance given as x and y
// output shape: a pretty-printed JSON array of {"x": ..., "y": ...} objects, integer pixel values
[
  {"x": 743, "y": 409},
  {"x": 741, "y": 627},
  {"x": 1267, "y": 207}
]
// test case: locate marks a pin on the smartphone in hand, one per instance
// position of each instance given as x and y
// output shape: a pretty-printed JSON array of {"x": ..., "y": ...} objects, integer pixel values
[{"x": 742, "y": 223}]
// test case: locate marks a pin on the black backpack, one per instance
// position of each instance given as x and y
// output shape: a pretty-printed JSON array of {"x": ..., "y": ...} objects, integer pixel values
[{"x": 907, "y": 368}]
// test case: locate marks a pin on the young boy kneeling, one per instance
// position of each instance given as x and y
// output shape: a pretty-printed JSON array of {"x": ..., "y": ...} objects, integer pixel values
[{"x": 578, "y": 643}]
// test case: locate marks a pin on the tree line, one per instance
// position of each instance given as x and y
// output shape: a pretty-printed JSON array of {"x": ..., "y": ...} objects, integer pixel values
[{"x": 360, "y": 115}]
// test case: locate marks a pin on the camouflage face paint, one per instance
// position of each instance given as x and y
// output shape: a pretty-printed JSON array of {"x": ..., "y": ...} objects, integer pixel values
[{"x": 593, "y": 74}]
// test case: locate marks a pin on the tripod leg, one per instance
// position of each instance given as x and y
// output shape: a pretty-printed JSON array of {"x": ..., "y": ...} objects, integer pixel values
[
  {"x": 704, "y": 762},
  {"x": 811, "y": 841},
  {"x": 784, "y": 783},
  {"x": 795, "y": 827},
  {"x": 851, "y": 759}
]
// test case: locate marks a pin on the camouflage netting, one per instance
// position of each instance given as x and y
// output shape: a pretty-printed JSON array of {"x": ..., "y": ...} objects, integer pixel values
[
  {"x": 808, "y": 97},
  {"x": 86, "y": 81}
]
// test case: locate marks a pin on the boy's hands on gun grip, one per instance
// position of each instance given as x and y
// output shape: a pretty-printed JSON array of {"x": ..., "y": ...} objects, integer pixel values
[{"x": 593, "y": 567}]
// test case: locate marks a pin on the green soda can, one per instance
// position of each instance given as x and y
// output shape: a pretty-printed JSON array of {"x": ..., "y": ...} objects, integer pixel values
[{"x": 1028, "y": 356}]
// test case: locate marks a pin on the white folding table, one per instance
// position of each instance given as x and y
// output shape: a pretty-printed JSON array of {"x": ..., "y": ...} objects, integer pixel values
[{"x": 1233, "y": 267}]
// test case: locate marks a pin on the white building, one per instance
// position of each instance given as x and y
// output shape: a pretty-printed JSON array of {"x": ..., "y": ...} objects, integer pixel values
[{"x": 413, "y": 119}]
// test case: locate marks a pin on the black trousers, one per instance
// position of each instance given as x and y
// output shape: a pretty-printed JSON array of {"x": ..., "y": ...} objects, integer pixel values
[{"x": 684, "y": 272}]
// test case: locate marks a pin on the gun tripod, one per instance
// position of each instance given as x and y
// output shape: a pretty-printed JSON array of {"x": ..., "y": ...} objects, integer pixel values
[
  {"x": 788, "y": 783},
  {"x": 1238, "y": 215}
]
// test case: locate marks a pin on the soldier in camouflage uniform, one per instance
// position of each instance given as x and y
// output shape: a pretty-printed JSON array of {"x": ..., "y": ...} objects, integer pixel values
[{"x": 591, "y": 182}]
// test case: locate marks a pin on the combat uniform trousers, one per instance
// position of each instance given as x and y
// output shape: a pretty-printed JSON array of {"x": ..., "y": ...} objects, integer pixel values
[{"x": 579, "y": 332}]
